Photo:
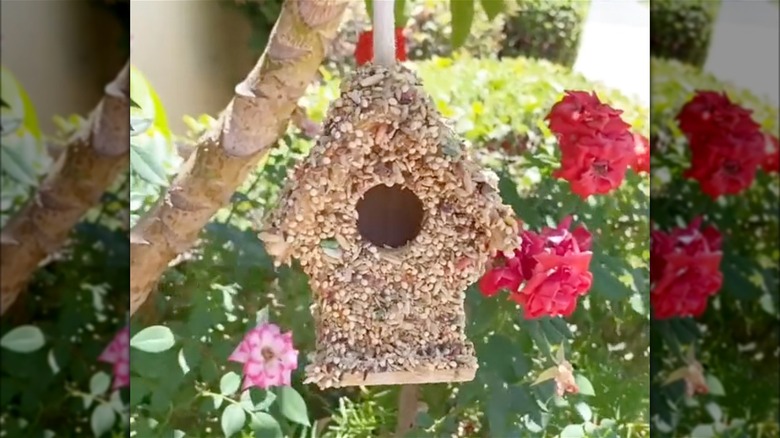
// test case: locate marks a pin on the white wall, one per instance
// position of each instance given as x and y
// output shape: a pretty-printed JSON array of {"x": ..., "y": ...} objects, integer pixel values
[
  {"x": 63, "y": 52},
  {"x": 192, "y": 52}
]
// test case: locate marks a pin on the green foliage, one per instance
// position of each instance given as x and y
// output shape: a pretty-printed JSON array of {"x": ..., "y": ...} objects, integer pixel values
[
  {"x": 737, "y": 337},
  {"x": 220, "y": 290},
  {"x": 51, "y": 339},
  {"x": 546, "y": 30},
  {"x": 72, "y": 304},
  {"x": 682, "y": 30},
  {"x": 22, "y": 148},
  {"x": 153, "y": 155},
  {"x": 440, "y": 28}
]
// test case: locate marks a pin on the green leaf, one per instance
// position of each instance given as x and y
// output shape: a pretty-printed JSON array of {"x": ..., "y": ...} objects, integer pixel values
[
  {"x": 606, "y": 284},
  {"x": 584, "y": 410},
  {"x": 17, "y": 167},
  {"x": 573, "y": 431},
  {"x": 715, "y": 412},
  {"x": 262, "y": 316},
  {"x": 23, "y": 339},
  {"x": 714, "y": 385},
  {"x": 134, "y": 104},
  {"x": 143, "y": 163},
  {"x": 154, "y": 339},
  {"x": 10, "y": 123},
  {"x": 462, "y": 16},
  {"x": 676, "y": 375},
  {"x": 102, "y": 419},
  {"x": 703, "y": 431},
  {"x": 498, "y": 405},
  {"x": 292, "y": 405},
  {"x": 492, "y": 8},
  {"x": 139, "y": 125},
  {"x": 233, "y": 419},
  {"x": 265, "y": 426},
  {"x": 546, "y": 375},
  {"x": 4, "y": 104},
  {"x": 229, "y": 383},
  {"x": 586, "y": 388},
  {"x": 560, "y": 355},
  {"x": 99, "y": 383}
]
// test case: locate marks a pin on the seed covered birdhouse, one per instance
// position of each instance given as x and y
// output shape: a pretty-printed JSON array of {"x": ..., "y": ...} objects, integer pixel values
[{"x": 391, "y": 222}]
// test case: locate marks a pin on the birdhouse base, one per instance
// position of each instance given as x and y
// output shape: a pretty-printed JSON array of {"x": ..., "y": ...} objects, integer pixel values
[{"x": 412, "y": 377}]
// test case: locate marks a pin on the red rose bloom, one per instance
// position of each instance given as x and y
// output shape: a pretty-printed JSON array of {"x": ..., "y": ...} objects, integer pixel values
[
  {"x": 596, "y": 144},
  {"x": 771, "y": 161},
  {"x": 554, "y": 266},
  {"x": 727, "y": 146},
  {"x": 641, "y": 163},
  {"x": 684, "y": 270},
  {"x": 364, "y": 51}
]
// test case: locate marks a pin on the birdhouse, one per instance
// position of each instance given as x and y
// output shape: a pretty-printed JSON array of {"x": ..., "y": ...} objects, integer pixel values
[{"x": 391, "y": 222}]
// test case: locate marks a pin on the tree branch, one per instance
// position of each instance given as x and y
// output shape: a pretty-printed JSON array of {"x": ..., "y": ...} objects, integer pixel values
[
  {"x": 86, "y": 167},
  {"x": 253, "y": 121}
]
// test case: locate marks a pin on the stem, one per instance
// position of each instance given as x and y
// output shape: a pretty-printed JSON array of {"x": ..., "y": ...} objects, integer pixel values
[
  {"x": 407, "y": 408},
  {"x": 384, "y": 32}
]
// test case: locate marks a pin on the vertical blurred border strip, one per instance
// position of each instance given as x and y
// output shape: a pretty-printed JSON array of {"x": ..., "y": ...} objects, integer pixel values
[
  {"x": 715, "y": 196},
  {"x": 57, "y": 198}
]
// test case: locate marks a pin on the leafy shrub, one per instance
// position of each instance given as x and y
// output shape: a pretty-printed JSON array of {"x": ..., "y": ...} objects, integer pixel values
[
  {"x": 51, "y": 339},
  {"x": 429, "y": 31},
  {"x": 218, "y": 291},
  {"x": 736, "y": 339},
  {"x": 546, "y": 30},
  {"x": 682, "y": 30}
]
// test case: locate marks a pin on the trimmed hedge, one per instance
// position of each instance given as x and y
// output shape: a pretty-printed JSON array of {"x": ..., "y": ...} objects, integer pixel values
[
  {"x": 546, "y": 29},
  {"x": 682, "y": 30}
]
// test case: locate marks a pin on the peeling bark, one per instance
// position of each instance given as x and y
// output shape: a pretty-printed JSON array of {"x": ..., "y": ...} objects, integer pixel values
[
  {"x": 90, "y": 162},
  {"x": 253, "y": 121}
]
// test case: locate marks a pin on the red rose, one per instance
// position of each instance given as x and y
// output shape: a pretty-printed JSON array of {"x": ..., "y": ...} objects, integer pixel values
[
  {"x": 726, "y": 145},
  {"x": 554, "y": 265},
  {"x": 771, "y": 161},
  {"x": 596, "y": 164},
  {"x": 726, "y": 168},
  {"x": 555, "y": 284},
  {"x": 364, "y": 51},
  {"x": 596, "y": 144},
  {"x": 498, "y": 279},
  {"x": 684, "y": 270},
  {"x": 641, "y": 163},
  {"x": 582, "y": 113}
]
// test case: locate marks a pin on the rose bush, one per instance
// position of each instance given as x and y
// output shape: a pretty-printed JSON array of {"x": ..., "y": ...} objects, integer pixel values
[
  {"x": 228, "y": 286},
  {"x": 714, "y": 246},
  {"x": 57, "y": 356}
]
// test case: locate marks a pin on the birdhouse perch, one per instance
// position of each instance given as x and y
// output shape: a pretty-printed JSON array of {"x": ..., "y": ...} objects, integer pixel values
[{"x": 391, "y": 222}]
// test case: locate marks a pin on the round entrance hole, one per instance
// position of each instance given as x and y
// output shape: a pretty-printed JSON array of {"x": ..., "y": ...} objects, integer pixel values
[{"x": 389, "y": 216}]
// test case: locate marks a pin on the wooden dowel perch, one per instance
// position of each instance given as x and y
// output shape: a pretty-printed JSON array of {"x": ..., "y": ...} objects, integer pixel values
[
  {"x": 90, "y": 162},
  {"x": 253, "y": 121}
]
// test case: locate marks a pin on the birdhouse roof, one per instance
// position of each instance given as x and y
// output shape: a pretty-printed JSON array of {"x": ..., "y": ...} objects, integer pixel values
[{"x": 386, "y": 155}]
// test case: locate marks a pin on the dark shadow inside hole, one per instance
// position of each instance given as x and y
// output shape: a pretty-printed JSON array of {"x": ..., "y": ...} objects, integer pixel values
[{"x": 389, "y": 216}]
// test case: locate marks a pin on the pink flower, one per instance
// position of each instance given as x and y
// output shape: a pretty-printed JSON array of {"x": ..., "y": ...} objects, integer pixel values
[
  {"x": 564, "y": 380},
  {"x": 268, "y": 357},
  {"x": 118, "y": 353}
]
